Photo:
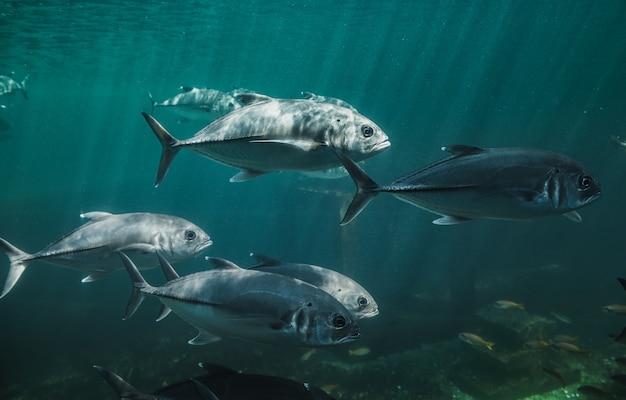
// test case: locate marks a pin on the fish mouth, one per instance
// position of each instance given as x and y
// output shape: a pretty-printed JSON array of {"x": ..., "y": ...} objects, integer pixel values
[
  {"x": 351, "y": 338},
  {"x": 371, "y": 314},
  {"x": 593, "y": 197},
  {"x": 381, "y": 146},
  {"x": 203, "y": 245}
]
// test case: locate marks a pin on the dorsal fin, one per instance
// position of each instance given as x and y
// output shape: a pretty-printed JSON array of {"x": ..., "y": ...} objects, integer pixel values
[
  {"x": 221, "y": 263},
  {"x": 462, "y": 150},
  {"x": 94, "y": 215},
  {"x": 263, "y": 260},
  {"x": 216, "y": 369},
  {"x": 251, "y": 98}
]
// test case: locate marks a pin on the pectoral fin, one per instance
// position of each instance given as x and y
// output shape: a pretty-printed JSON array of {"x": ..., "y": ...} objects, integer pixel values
[
  {"x": 573, "y": 216},
  {"x": 204, "y": 337},
  {"x": 94, "y": 276}
]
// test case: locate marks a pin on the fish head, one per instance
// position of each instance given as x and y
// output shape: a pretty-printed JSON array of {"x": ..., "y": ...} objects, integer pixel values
[
  {"x": 182, "y": 239},
  {"x": 570, "y": 188},
  {"x": 358, "y": 136},
  {"x": 325, "y": 324}
]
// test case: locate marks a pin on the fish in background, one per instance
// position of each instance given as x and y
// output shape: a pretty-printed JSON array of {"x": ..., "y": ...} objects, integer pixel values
[
  {"x": 475, "y": 340},
  {"x": 271, "y": 135},
  {"x": 617, "y": 309},
  {"x": 9, "y": 86},
  {"x": 201, "y": 104},
  {"x": 569, "y": 348},
  {"x": 220, "y": 383},
  {"x": 229, "y": 301},
  {"x": 507, "y": 304},
  {"x": 350, "y": 293},
  {"x": 496, "y": 183},
  {"x": 329, "y": 100},
  {"x": 93, "y": 247},
  {"x": 536, "y": 345}
]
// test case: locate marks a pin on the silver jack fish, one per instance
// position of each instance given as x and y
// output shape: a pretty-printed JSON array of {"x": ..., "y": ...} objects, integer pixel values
[
  {"x": 8, "y": 86},
  {"x": 498, "y": 183},
  {"x": 352, "y": 295},
  {"x": 92, "y": 247},
  {"x": 269, "y": 135},
  {"x": 199, "y": 103},
  {"x": 229, "y": 301},
  {"x": 220, "y": 383}
]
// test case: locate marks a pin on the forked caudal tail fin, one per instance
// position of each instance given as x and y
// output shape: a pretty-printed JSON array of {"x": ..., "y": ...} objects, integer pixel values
[
  {"x": 18, "y": 264},
  {"x": 169, "y": 144},
  {"x": 366, "y": 188},
  {"x": 122, "y": 388},
  {"x": 138, "y": 282}
]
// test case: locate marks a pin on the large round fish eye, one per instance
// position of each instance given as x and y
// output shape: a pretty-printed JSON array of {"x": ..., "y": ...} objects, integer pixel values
[
  {"x": 367, "y": 130},
  {"x": 585, "y": 181},
  {"x": 362, "y": 301},
  {"x": 339, "y": 321},
  {"x": 190, "y": 235}
]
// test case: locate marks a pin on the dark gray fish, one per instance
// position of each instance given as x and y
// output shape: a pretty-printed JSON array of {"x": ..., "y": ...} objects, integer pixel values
[
  {"x": 93, "y": 247},
  {"x": 619, "y": 378},
  {"x": 555, "y": 374},
  {"x": 595, "y": 392},
  {"x": 270, "y": 135},
  {"x": 9, "y": 86},
  {"x": 620, "y": 337},
  {"x": 199, "y": 103},
  {"x": 497, "y": 183},
  {"x": 329, "y": 100},
  {"x": 220, "y": 383},
  {"x": 229, "y": 301},
  {"x": 352, "y": 295}
]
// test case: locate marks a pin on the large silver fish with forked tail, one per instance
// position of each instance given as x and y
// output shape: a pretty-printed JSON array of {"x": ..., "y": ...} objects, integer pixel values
[
  {"x": 199, "y": 103},
  {"x": 229, "y": 301},
  {"x": 351, "y": 294},
  {"x": 496, "y": 183},
  {"x": 269, "y": 135},
  {"x": 93, "y": 247}
]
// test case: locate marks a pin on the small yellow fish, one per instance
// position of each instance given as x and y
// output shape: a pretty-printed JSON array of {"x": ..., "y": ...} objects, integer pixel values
[
  {"x": 564, "y": 338},
  {"x": 508, "y": 304},
  {"x": 568, "y": 347},
  {"x": 618, "y": 309},
  {"x": 307, "y": 355},
  {"x": 475, "y": 340},
  {"x": 560, "y": 317},
  {"x": 536, "y": 345},
  {"x": 330, "y": 387},
  {"x": 361, "y": 351}
]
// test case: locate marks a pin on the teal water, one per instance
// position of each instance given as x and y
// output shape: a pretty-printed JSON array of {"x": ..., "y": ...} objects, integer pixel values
[{"x": 514, "y": 73}]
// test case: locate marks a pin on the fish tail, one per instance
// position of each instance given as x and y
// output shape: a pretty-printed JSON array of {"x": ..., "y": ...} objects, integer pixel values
[
  {"x": 23, "y": 86},
  {"x": 139, "y": 284},
  {"x": 168, "y": 142},
  {"x": 121, "y": 387},
  {"x": 366, "y": 188},
  {"x": 489, "y": 345},
  {"x": 153, "y": 102},
  {"x": 18, "y": 264}
]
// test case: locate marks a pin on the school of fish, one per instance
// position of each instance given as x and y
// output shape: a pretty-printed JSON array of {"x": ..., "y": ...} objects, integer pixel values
[{"x": 285, "y": 303}]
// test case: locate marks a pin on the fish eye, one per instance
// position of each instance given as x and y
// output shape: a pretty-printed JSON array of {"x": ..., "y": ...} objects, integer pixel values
[
  {"x": 362, "y": 301},
  {"x": 190, "y": 235},
  {"x": 339, "y": 321},
  {"x": 585, "y": 181},
  {"x": 367, "y": 131}
]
